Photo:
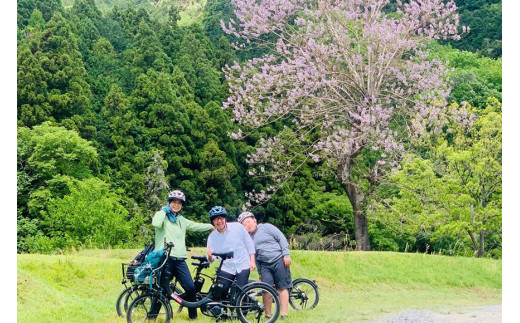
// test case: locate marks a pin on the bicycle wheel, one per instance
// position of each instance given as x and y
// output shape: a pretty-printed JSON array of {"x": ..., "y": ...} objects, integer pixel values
[
  {"x": 120, "y": 300},
  {"x": 255, "y": 301},
  {"x": 131, "y": 295},
  {"x": 140, "y": 310},
  {"x": 304, "y": 294}
]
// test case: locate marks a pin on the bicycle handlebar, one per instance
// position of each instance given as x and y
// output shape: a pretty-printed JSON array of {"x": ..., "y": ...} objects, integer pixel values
[{"x": 167, "y": 247}]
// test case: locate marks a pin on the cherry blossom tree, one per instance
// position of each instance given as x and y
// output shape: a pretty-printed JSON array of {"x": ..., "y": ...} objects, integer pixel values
[{"x": 346, "y": 79}]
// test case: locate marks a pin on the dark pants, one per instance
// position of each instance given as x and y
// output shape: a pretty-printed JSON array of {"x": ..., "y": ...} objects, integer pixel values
[
  {"x": 179, "y": 269},
  {"x": 241, "y": 278},
  {"x": 275, "y": 274}
]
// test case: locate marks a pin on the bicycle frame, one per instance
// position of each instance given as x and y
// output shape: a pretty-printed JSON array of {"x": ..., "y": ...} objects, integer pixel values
[
  {"x": 207, "y": 300},
  {"x": 208, "y": 297}
]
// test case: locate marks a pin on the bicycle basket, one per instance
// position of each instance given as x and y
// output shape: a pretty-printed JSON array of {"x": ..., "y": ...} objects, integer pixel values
[
  {"x": 128, "y": 270},
  {"x": 153, "y": 259}
]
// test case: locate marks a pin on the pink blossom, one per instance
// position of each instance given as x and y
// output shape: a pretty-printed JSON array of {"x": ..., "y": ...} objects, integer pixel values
[{"x": 343, "y": 70}]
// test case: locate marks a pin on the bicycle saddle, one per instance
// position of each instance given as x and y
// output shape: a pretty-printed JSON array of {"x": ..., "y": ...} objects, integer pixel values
[
  {"x": 224, "y": 256},
  {"x": 201, "y": 258}
]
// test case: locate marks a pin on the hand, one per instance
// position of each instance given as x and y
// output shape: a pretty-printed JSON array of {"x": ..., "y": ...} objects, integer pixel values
[
  {"x": 210, "y": 254},
  {"x": 286, "y": 261},
  {"x": 252, "y": 265}
]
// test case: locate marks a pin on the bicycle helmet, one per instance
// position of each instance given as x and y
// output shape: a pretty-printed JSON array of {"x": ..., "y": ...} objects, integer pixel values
[
  {"x": 245, "y": 215},
  {"x": 217, "y": 211},
  {"x": 176, "y": 195}
]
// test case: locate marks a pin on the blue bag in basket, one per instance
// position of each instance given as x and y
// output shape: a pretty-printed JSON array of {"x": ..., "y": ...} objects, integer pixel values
[{"x": 153, "y": 259}]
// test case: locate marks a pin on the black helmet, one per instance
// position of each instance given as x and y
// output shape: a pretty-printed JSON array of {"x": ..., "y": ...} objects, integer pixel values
[{"x": 217, "y": 211}]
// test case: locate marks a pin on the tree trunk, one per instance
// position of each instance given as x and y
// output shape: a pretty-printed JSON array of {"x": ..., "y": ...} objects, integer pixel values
[
  {"x": 478, "y": 246},
  {"x": 356, "y": 200},
  {"x": 473, "y": 237},
  {"x": 360, "y": 219},
  {"x": 481, "y": 246}
]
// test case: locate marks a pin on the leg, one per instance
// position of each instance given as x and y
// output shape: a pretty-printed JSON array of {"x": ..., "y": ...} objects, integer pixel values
[
  {"x": 284, "y": 300},
  {"x": 241, "y": 279},
  {"x": 167, "y": 275},
  {"x": 267, "y": 277},
  {"x": 225, "y": 283},
  {"x": 282, "y": 280},
  {"x": 183, "y": 275}
]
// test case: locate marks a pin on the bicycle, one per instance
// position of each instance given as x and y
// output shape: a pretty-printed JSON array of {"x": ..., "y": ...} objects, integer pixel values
[
  {"x": 134, "y": 290},
  {"x": 303, "y": 295},
  {"x": 245, "y": 303}
]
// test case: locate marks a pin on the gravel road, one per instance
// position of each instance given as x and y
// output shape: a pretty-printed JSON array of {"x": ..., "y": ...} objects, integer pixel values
[{"x": 484, "y": 314}]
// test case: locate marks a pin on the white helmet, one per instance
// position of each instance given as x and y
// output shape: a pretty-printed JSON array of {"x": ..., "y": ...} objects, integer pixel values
[
  {"x": 245, "y": 215},
  {"x": 176, "y": 195}
]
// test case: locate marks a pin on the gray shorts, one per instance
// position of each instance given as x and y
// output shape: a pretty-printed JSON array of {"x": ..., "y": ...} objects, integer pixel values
[{"x": 276, "y": 274}]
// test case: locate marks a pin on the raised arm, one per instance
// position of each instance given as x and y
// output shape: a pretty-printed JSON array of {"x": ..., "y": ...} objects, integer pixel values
[
  {"x": 158, "y": 219},
  {"x": 192, "y": 226}
]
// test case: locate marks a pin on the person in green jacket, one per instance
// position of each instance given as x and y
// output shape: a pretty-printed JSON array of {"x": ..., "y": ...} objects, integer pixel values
[{"x": 170, "y": 226}]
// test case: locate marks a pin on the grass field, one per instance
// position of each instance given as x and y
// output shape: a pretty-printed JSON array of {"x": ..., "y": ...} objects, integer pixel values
[{"x": 354, "y": 286}]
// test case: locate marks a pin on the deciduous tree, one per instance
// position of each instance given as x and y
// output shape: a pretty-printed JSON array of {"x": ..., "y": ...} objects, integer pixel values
[
  {"x": 346, "y": 78},
  {"x": 458, "y": 192}
]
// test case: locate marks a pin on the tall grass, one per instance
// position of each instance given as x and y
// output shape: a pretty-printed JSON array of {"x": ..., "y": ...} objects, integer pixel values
[{"x": 354, "y": 286}]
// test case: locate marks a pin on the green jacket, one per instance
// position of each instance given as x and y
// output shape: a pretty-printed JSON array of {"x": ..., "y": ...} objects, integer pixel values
[{"x": 175, "y": 232}]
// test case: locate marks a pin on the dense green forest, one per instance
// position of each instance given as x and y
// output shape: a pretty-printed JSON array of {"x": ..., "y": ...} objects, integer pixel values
[{"x": 119, "y": 101}]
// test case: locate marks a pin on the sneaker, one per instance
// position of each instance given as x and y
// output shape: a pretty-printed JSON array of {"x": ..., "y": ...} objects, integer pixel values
[{"x": 283, "y": 317}]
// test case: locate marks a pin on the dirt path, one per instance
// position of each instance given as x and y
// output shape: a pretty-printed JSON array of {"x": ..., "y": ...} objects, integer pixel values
[{"x": 483, "y": 314}]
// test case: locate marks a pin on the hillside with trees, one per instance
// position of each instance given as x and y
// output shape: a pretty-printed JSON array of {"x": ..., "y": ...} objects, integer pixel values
[{"x": 120, "y": 101}]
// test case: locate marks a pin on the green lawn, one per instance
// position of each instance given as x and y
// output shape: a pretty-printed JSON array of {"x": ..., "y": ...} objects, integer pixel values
[{"x": 354, "y": 286}]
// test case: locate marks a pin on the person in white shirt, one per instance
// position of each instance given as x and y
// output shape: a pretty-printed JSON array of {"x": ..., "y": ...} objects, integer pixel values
[{"x": 226, "y": 238}]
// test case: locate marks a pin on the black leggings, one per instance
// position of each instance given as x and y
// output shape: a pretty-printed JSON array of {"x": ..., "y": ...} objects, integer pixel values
[{"x": 241, "y": 278}]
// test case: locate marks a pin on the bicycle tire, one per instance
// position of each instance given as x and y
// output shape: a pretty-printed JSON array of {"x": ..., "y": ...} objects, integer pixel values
[
  {"x": 122, "y": 296},
  {"x": 304, "y": 294},
  {"x": 139, "y": 309},
  {"x": 253, "y": 294},
  {"x": 136, "y": 291}
]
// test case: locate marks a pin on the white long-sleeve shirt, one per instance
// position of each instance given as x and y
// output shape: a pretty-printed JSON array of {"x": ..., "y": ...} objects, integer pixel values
[{"x": 235, "y": 239}]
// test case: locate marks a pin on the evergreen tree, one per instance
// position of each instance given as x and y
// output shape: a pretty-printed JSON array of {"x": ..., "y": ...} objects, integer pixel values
[
  {"x": 199, "y": 70},
  {"x": 484, "y": 18},
  {"x": 119, "y": 120},
  {"x": 86, "y": 17},
  {"x": 47, "y": 7},
  {"x": 36, "y": 23},
  {"x": 51, "y": 76},
  {"x": 214, "y": 12},
  {"x": 148, "y": 52},
  {"x": 86, "y": 9},
  {"x": 104, "y": 70}
]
